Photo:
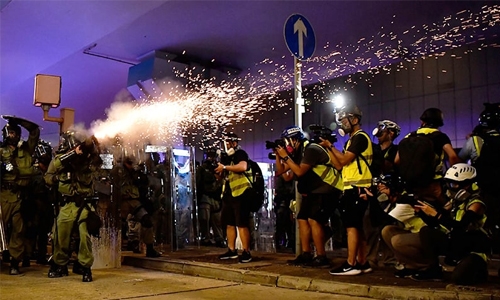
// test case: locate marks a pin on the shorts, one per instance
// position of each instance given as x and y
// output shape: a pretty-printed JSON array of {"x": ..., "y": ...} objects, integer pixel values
[
  {"x": 318, "y": 207},
  {"x": 352, "y": 209},
  {"x": 236, "y": 210}
]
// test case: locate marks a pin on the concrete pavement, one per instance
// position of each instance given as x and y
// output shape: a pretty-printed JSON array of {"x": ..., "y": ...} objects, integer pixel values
[{"x": 270, "y": 269}]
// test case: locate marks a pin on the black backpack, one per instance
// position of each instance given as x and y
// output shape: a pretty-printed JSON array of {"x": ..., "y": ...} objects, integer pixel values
[
  {"x": 417, "y": 159},
  {"x": 258, "y": 188},
  {"x": 488, "y": 163}
]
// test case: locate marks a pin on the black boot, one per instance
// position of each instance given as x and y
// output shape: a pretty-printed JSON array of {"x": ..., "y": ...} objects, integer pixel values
[
  {"x": 86, "y": 275},
  {"x": 56, "y": 270},
  {"x": 14, "y": 267},
  {"x": 151, "y": 252}
]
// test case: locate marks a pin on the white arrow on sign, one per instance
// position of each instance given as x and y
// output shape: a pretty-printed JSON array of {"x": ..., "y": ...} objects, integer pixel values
[{"x": 302, "y": 30}]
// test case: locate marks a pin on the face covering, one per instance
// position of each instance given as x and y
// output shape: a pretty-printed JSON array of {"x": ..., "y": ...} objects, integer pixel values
[
  {"x": 346, "y": 127},
  {"x": 382, "y": 197}
]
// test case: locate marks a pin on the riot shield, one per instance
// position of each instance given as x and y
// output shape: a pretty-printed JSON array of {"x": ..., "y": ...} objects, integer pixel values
[{"x": 183, "y": 206}]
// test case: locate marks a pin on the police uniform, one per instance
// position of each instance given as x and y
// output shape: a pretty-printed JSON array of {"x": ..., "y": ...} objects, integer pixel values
[
  {"x": 18, "y": 165},
  {"x": 74, "y": 181},
  {"x": 127, "y": 192}
]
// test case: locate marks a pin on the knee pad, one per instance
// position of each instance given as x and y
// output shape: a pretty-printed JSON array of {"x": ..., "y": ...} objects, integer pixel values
[{"x": 146, "y": 221}]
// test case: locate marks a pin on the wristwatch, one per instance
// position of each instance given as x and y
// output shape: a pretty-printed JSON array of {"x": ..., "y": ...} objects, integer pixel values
[
  {"x": 224, "y": 167},
  {"x": 286, "y": 158}
]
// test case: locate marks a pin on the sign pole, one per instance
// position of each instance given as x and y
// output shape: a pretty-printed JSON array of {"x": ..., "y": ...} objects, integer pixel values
[
  {"x": 299, "y": 107},
  {"x": 301, "y": 41}
]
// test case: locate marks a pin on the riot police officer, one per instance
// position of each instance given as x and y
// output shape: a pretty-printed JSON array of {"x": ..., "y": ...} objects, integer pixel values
[
  {"x": 127, "y": 184},
  {"x": 16, "y": 172},
  {"x": 72, "y": 172}
]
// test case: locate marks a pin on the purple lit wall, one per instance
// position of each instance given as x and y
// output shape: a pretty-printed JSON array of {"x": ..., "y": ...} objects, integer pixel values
[{"x": 458, "y": 82}]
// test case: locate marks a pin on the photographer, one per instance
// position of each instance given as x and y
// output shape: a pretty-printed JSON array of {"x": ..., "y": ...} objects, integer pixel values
[
  {"x": 320, "y": 183},
  {"x": 400, "y": 224},
  {"x": 457, "y": 231},
  {"x": 356, "y": 175},
  {"x": 236, "y": 197}
]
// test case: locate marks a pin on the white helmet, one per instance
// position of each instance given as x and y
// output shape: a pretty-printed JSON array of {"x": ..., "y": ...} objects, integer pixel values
[{"x": 460, "y": 172}]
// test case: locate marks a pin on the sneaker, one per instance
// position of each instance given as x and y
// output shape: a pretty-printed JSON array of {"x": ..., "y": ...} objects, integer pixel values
[
  {"x": 301, "y": 259},
  {"x": 14, "y": 267},
  {"x": 245, "y": 257},
  {"x": 230, "y": 254},
  {"x": 434, "y": 273},
  {"x": 345, "y": 269},
  {"x": 364, "y": 268},
  {"x": 320, "y": 262},
  {"x": 404, "y": 273}
]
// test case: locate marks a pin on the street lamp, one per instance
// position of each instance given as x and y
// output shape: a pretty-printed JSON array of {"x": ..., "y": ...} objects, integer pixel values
[{"x": 48, "y": 95}]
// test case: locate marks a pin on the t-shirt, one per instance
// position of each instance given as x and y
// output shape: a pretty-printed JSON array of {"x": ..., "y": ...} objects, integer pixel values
[
  {"x": 359, "y": 143},
  {"x": 315, "y": 155},
  {"x": 439, "y": 139}
]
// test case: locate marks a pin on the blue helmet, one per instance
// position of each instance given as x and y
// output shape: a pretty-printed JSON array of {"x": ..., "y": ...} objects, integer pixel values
[{"x": 294, "y": 132}]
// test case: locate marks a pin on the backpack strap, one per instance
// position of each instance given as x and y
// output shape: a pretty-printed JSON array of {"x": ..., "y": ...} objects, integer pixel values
[
  {"x": 245, "y": 173},
  {"x": 361, "y": 155}
]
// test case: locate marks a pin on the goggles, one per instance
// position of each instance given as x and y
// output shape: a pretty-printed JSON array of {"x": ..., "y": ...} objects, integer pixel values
[{"x": 379, "y": 130}]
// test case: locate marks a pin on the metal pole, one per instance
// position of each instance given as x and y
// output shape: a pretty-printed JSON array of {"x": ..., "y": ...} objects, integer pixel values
[{"x": 299, "y": 109}]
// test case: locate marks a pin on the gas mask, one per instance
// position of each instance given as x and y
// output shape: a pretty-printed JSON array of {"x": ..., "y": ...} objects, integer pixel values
[
  {"x": 231, "y": 150},
  {"x": 460, "y": 195},
  {"x": 382, "y": 197},
  {"x": 289, "y": 146}
]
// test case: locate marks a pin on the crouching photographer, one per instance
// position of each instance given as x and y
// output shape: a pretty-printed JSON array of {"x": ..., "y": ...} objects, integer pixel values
[
  {"x": 320, "y": 183},
  {"x": 457, "y": 231}
]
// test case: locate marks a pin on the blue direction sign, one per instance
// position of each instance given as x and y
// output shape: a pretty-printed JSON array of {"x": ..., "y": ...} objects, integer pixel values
[{"x": 299, "y": 36}]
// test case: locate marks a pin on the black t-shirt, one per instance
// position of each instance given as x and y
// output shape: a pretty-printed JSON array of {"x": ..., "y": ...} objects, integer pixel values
[
  {"x": 310, "y": 182},
  {"x": 238, "y": 156},
  {"x": 359, "y": 143},
  {"x": 439, "y": 139}
]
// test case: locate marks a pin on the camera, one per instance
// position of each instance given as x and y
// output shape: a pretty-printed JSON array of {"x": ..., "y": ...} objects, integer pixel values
[
  {"x": 275, "y": 144},
  {"x": 321, "y": 131},
  {"x": 410, "y": 199}
]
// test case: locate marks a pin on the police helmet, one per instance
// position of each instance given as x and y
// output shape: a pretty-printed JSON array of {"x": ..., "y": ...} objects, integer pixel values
[
  {"x": 68, "y": 141},
  {"x": 43, "y": 152},
  {"x": 387, "y": 124},
  {"x": 490, "y": 118},
  {"x": 460, "y": 173},
  {"x": 11, "y": 127},
  {"x": 294, "y": 132},
  {"x": 433, "y": 117}
]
